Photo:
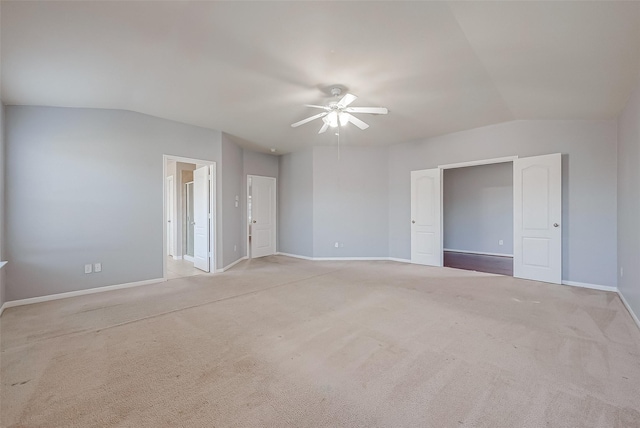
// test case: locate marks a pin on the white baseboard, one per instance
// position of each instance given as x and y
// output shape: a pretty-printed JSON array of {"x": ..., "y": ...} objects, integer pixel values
[
  {"x": 230, "y": 265},
  {"x": 77, "y": 293},
  {"x": 395, "y": 259},
  {"x": 2, "y": 308},
  {"x": 346, "y": 259},
  {"x": 189, "y": 258},
  {"x": 592, "y": 286},
  {"x": 626, "y": 305},
  {"x": 482, "y": 253},
  {"x": 321, "y": 259},
  {"x": 177, "y": 257},
  {"x": 296, "y": 256}
]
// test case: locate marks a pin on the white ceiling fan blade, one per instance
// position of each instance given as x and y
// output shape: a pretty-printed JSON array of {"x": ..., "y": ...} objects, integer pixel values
[
  {"x": 309, "y": 119},
  {"x": 370, "y": 110},
  {"x": 346, "y": 100},
  {"x": 357, "y": 122},
  {"x": 324, "y": 128},
  {"x": 315, "y": 106}
]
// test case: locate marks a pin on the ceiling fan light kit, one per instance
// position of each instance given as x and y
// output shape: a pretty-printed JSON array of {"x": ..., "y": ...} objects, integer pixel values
[{"x": 339, "y": 113}]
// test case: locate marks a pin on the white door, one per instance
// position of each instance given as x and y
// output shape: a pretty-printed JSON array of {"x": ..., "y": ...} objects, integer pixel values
[
  {"x": 171, "y": 191},
  {"x": 263, "y": 216},
  {"x": 537, "y": 213},
  {"x": 201, "y": 218},
  {"x": 426, "y": 227}
]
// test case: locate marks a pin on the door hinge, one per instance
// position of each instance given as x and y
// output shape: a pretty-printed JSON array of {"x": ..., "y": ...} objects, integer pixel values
[{"x": 209, "y": 216}]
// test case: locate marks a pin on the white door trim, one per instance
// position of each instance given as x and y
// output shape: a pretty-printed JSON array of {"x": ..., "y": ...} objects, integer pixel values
[
  {"x": 479, "y": 162},
  {"x": 213, "y": 203},
  {"x": 490, "y": 161}
]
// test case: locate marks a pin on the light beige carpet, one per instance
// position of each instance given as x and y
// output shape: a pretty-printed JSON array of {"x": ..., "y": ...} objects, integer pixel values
[{"x": 280, "y": 342}]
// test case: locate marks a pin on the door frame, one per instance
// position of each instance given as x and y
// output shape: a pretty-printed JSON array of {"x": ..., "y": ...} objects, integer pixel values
[
  {"x": 275, "y": 222},
  {"x": 505, "y": 159},
  {"x": 213, "y": 203}
]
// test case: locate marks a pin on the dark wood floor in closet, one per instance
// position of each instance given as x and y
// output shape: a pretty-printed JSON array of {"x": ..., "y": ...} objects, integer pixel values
[{"x": 479, "y": 262}]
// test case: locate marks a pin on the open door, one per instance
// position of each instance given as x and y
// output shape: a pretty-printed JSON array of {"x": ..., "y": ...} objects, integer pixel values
[
  {"x": 426, "y": 227},
  {"x": 262, "y": 215},
  {"x": 171, "y": 204},
  {"x": 537, "y": 215},
  {"x": 201, "y": 218}
]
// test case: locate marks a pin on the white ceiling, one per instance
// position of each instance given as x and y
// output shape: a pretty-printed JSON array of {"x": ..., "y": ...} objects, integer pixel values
[{"x": 247, "y": 68}]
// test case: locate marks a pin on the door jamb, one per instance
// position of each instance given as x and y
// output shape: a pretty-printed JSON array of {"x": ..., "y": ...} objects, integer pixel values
[{"x": 213, "y": 248}]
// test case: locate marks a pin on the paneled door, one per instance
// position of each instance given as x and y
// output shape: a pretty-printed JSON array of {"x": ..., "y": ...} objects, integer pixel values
[
  {"x": 537, "y": 215},
  {"x": 426, "y": 225},
  {"x": 201, "y": 191},
  {"x": 171, "y": 206},
  {"x": 262, "y": 215}
]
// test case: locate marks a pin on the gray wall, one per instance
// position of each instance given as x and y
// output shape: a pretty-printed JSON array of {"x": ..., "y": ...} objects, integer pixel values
[
  {"x": 589, "y": 184},
  {"x": 350, "y": 196},
  {"x": 629, "y": 201},
  {"x": 231, "y": 166},
  {"x": 85, "y": 185},
  {"x": 295, "y": 203},
  {"x": 255, "y": 163},
  {"x": 478, "y": 208},
  {"x": 2, "y": 205}
]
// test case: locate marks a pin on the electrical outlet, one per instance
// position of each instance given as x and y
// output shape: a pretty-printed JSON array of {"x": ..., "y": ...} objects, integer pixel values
[
  {"x": 621, "y": 272},
  {"x": 88, "y": 268},
  {"x": 336, "y": 244},
  {"x": 97, "y": 267},
  {"x": 501, "y": 242},
  {"x": 235, "y": 248}
]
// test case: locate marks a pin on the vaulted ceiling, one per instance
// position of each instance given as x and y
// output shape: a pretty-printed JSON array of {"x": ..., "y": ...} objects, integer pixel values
[{"x": 247, "y": 68}]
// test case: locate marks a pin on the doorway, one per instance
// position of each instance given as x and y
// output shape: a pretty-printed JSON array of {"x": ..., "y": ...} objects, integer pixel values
[
  {"x": 189, "y": 208},
  {"x": 477, "y": 218},
  {"x": 261, "y": 216},
  {"x": 537, "y": 213}
]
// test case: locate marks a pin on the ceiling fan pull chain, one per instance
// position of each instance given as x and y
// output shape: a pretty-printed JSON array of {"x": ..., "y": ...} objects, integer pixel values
[{"x": 338, "y": 142}]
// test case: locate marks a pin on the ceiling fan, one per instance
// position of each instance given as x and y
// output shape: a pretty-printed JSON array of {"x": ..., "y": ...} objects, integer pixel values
[{"x": 339, "y": 113}]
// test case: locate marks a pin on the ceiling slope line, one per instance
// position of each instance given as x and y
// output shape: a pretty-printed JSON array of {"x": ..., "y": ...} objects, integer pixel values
[{"x": 481, "y": 62}]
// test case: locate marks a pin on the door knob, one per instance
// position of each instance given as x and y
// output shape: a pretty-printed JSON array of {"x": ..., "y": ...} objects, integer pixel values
[
  {"x": 413, "y": 221},
  {"x": 555, "y": 225},
  {"x": 254, "y": 221}
]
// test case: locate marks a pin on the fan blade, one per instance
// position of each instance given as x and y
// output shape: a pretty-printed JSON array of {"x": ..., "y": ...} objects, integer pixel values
[
  {"x": 357, "y": 122},
  {"x": 324, "y": 128},
  {"x": 309, "y": 119},
  {"x": 370, "y": 110},
  {"x": 315, "y": 106},
  {"x": 346, "y": 100}
]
